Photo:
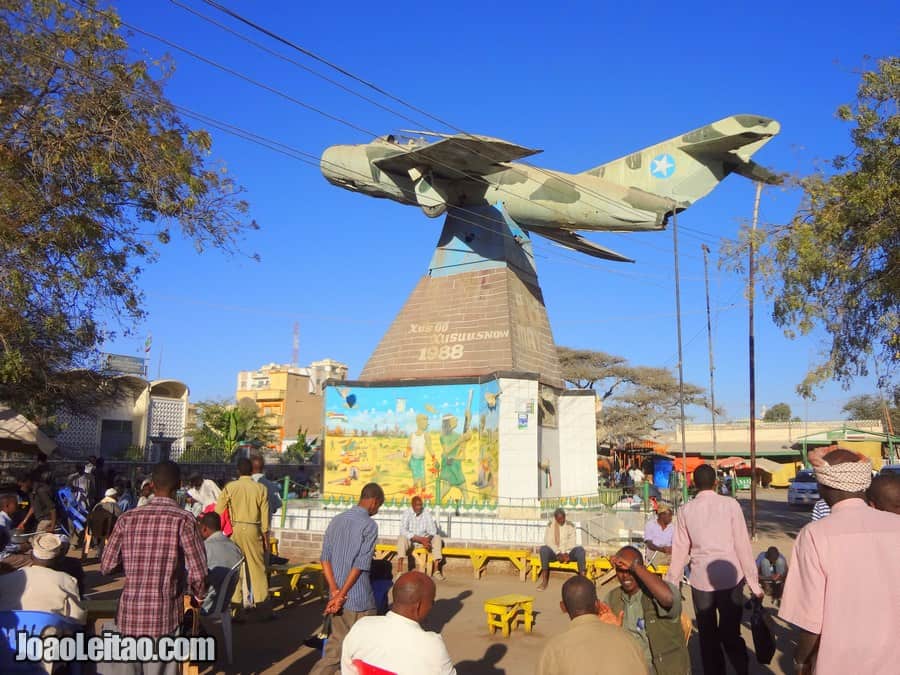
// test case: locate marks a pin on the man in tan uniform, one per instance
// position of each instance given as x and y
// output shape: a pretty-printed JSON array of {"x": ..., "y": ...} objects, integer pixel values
[
  {"x": 589, "y": 646},
  {"x": 248, "y": 506}
]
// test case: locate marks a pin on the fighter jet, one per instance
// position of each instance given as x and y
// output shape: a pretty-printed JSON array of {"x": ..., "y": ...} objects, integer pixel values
[{"x": 639, "y": 192}]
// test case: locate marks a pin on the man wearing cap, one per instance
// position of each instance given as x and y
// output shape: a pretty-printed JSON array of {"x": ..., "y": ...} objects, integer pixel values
[
  {"x": 39, "y": 588},
  {"x": 838, "y": 592},
  {"x": 658, "y": 534},
  {"x": 101, "y": 520}
]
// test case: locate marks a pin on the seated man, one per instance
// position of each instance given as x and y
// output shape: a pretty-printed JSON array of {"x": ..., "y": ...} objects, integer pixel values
[
  {"x": 203, "y": 490},
  {"x": 559, "y": 546},
  {"x": 658, "y": 534},
  {"x": 221, "y": 555},
  {"x": 650, "y": 609},
  {"x": 13, "y": 554},
  {"x": 589, "y": 645},
  {"x": 417, "y": 529},
  {"x": 772, "y": 568},
  {"x": 40, "y": 588},
  {"x": 396, "y": 642}
]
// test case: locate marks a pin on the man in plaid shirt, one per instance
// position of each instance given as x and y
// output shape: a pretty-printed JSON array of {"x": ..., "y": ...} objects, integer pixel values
[{"x": 154, "y": 544}]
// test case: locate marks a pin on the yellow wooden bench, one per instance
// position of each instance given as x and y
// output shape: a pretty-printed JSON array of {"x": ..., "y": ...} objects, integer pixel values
[
  {"x": 303, "y": 581},
  {"x": 593, "y": 567},
  {"x": 507, "y": 611},
  {"x": 480, "y": 556},
  {"x": 385, "y": 551}
]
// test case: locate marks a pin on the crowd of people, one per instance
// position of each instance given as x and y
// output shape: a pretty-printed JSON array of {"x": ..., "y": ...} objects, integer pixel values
[{"x": 166, "y": 547}]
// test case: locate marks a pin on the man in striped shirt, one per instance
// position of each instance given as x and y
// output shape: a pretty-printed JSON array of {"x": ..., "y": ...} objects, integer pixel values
[
  {"x": 820, "y": 510},
  {"x": 347, "y": 552}
]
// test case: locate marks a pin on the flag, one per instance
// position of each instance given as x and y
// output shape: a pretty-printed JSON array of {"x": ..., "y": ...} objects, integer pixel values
[{"x": 147, "y": 343}]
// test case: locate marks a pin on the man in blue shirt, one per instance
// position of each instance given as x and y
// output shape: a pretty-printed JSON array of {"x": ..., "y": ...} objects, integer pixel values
[
  {"x": 772, "y": 568},
  {"x": 347, "y": 552}
]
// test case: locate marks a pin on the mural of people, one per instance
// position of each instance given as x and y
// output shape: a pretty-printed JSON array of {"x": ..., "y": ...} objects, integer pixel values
[
  {"x": 395, "y": 436},
  {"x": 452, "y": 454},
  {"x": 419, "y": 444}
]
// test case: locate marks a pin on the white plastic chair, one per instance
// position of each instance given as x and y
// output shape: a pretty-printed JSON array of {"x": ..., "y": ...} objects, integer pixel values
[{"x": 220, "y": 615}]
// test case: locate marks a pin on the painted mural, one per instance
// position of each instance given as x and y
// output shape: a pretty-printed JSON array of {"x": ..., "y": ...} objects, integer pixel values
[{"x": 436, "y": 441}]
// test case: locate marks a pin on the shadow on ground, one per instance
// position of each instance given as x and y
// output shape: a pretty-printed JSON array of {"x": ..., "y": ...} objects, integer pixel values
[
  {"x": 486, "y": 665},
  {"x": 444, "y": 610}
]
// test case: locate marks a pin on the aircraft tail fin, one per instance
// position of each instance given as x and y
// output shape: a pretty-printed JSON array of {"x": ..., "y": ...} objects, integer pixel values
[{"x": 688, "y": 167}]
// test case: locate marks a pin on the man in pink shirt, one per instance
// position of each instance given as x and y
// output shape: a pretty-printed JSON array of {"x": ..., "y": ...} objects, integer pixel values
[
  {"x": 711, "y": 535},
  {"x": 839, "y": 592}
]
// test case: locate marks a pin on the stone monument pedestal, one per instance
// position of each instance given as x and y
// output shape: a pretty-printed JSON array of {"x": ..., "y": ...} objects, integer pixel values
[{"x": 462, "y": 401}]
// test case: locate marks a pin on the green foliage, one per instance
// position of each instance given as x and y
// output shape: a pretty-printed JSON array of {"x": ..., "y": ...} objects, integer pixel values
[
  {"x": 836, "y": 265},
  {"x": 780, "y": 412},
  {"x": 643, "y": 399},
  {"x": 223, "y": 428},
  {"x": 300, "y": 451},
  {"x": 871, "y": 407},
  {"x": 96, "y": 170}
]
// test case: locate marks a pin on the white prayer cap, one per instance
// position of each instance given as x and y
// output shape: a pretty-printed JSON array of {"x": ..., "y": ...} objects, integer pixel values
[{"x": 46, "y": 546}]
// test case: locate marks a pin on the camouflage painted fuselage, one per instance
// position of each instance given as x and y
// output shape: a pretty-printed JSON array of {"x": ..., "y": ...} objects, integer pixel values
[{"x": 637, "y": 192}]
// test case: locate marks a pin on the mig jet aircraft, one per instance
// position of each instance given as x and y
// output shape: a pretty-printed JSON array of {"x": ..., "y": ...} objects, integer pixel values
[{"x": 638, "y": 192}]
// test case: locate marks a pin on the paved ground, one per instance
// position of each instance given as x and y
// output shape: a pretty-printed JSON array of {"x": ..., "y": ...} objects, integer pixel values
[{"x": 276, "y": 647}]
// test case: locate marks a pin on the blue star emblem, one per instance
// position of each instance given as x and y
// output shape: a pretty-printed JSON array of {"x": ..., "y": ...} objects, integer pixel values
[{"x": 662, "y": 166}]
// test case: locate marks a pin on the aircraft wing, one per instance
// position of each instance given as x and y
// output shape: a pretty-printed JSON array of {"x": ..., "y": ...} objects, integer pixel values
[
  {"x": 575, "y": 242},
  {"x": 456, "y": 157}
]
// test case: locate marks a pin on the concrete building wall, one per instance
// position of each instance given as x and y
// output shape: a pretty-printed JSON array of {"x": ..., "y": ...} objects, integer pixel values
[
  {"x": 289, "y": 397},
  {"x": 518, "y": 446},
  {"x": 577, "y": 444},
  {"x": 549, "y": 476}
]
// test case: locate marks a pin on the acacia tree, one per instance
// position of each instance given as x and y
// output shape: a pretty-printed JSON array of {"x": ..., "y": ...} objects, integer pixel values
[
  {"x": 780, "y": 412},
  {"x": 872, "y": 407},
  {"x": 96, "y": 170},
  {"x": 836, "y": 265},
  {"x": 635, "y": 401}
]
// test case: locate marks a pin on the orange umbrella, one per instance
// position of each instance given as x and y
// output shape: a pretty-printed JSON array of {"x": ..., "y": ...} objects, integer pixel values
[{"x": 692, "y": 463}]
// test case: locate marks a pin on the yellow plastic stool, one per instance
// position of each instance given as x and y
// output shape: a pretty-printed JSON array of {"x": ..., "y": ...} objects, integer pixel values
[{"x": 506, "y": 611}]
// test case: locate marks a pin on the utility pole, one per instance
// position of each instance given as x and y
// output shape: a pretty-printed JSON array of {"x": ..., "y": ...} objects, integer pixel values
[
  {"x": 680, "y": 350},
  {"x": 752, "y": 344},
  {"x": 712, "y": 389}
]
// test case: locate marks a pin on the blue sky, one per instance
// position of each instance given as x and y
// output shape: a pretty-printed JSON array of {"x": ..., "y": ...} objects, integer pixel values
[{"x": 585, "y": 82}]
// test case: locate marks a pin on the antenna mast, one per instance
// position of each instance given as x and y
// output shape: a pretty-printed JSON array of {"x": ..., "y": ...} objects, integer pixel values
[{"x": 295, "y": 354}]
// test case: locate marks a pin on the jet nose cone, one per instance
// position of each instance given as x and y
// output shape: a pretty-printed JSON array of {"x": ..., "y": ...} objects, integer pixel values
[{"x": 331, "y": 168}]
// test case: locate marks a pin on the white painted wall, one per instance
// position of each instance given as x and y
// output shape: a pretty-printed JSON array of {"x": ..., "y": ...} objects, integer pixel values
[
  {"x": 518, "y": 471},
  {"x": 548, "y": 451},
  {"x": 577, "y": 446}
]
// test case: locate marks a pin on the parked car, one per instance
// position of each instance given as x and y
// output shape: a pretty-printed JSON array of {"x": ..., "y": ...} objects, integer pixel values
[
  {"x": 892, "y": 469},
  {"x": 804, "y": 489}
]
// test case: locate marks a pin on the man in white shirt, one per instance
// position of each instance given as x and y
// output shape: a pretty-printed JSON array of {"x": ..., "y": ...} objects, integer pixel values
[
  {"x": 559, "y": 546},
  {"x": 637, "y": 476},
  {"x": 417, "y": 528},
  {"x": 658, "y": 534},
  {"x": 397, "y": 642}
]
